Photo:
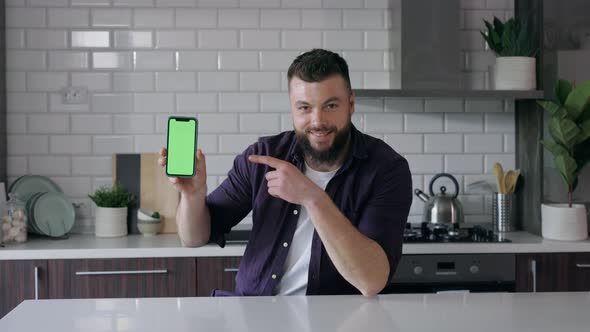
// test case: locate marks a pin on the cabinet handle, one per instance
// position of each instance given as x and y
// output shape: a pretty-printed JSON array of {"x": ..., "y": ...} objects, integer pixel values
[
  {"x": 583, "y": 266},
  {"x": 231, "y": 269},
  {"x": 534, "y": 272},
  {"x": 36, "y": 282},
  {"x": 102, "y": 273}
]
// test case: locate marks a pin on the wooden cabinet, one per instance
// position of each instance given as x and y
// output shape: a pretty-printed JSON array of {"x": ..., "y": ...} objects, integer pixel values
[
  {"x": 553, "y": 272},
  {"x": 116, "y": 278},
  {"x": 21, "y": 280},
  {"x": 216, "y": 272}
]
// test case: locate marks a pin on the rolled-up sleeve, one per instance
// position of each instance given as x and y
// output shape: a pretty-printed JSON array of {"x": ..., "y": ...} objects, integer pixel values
[{"x": 384, "y": 217}]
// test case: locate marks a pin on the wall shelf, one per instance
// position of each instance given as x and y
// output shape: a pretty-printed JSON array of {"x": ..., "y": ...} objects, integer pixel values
[{"x": 427, "y": 93}]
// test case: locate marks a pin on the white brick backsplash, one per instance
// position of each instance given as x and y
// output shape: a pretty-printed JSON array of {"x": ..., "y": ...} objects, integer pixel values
[
  {"x": 68, "y": 18},
  {"x": 345, "y": 40},
  {"x": 218, "y": 39},
  {"x": 301, "y": 4},
  {"x": 499, "y": 4},
  {"x": 322, "y": 18},
  {"x": 154, "y": 102},
  {"x": 423, "y": 122},
  {"x": 16, "y": 166},
  {"x": 403, "y": 105},
  {"x": 381, "y": 80},
  {"x": 43, "y": 81},
  {"x": 406, "y": 143},
  {"x": 196, "y": 102},
  {"x": 479, "y": 60},
  {"x": 133, "y": 82},
  {"x": 133, "y": 3},
  {"x": 301, "y": 39},
  {"x": 134, "y": 124},
  {"x": 364, "y": 60},
  {"x": 93, "y": 81},
  {"x": 116, "y": 18},
  {"x": 98, "y": 166},
  {"x": 363, "y": 19},
  {"x": 260, "y": 3},
  {"x": 175, "y": 3},
  {"x": 197, "y": 60},
  {"x": 153, "y": 18},
  {"x": 483, "y": 143},
  {"x": 260, "y": 39},
  {"x": 149, "y": 143},
  {"x": 74, "y": 186},
  {"x": 462, "y": 122},
  {"x": 48, "y": 124},
  {"x": 218, "y": 3},
  {"x": 383, "y": 123},
  {"x": 472, "y": 4},
  {"x": 218, "y": 123},
  {"x": 277, "y": 60},
  {"x": 275, "y": 102},
  {"x": 368, "y": 105},
  {"x": 49, "y": 165},
  {"x": 425, "y": 164},
  {"x": 196, "y": 18},
  {"x": 443, "y": 105},
  {"x": 26, "y": 102},
  {"x": 484, "y": 106},
  {"x": 15, "y": 38},
  {"x": 280, "y": 18},
  {"x": 259, "y": 81},
  {"x": 238, "y": 102},
  {"x": 242, "y": 60},
  {"x": 218, "y": 81},
  {"x": 47, "y": 39},
  {"x": 259, "y": 123},
  {"x": 88, "y": 39},
  {"x": 112, "y": 144},
  {"x": 69, "y": 144},
  {"x": 343, "y": 3},
  {"x": 207, "y": 143},
  {"x": 92, "y": 124},
  {"x": 47, "y": 3},
  {"x": 235, "y": 143},
  {"x": 25, "y": 17},
  {"x": 16, "y": 123},
  {"x": 16, "y": 81},
  {"x": 499, "y": 123},
  {"x": 238, "y": 18},
  {"x": 154, "y": 60},
  {"x": 286, "y": 122},
  {"x": 175, "y": 81},
  {"x": 446, "y": 143},
  {"x": 112, "y": 103},
  {"x": 176, "y": 39},
  {"x": 133, "y": 39},
  {"x": 472, "y": 40},
  {"x": 473, "y": 19},
  {"x": 472, "y": 204},
  {"x": 25, "y": 60},
  {"x": 59, "y": 60},
  {"x": 509, "y": 145},
  {"x": 27, "y": 144},
  {"x": 56, "y": 105},
  {"x": 219, "y": 164},
  {"x": 91, "y": 3},
  {"x": 382, "y": 40},
  {"x": 507, "y": 160},
  {"x": 464, "y": 163}
]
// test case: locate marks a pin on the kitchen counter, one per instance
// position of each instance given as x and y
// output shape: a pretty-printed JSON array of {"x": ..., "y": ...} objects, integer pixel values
[
  {"x": 168, "y": 245},
  {"x": 506, "y": 312}
]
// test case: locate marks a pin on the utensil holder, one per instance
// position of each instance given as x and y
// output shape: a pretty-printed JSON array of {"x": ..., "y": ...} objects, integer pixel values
[{"x": 502, "y": 212}]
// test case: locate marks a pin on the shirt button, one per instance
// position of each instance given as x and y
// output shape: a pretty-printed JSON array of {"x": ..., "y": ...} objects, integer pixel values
[
  {"x": 274, "y": 276},
  {"x": 295, "y": 212},
  {"x": 285, "y": 244}
]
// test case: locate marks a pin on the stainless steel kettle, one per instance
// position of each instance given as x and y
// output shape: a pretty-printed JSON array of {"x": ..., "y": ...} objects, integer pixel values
[{"x": 442, "y": 209}]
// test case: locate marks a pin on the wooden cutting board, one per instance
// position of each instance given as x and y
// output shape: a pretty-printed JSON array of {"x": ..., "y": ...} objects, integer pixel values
[{"x": 143, "y": 177}]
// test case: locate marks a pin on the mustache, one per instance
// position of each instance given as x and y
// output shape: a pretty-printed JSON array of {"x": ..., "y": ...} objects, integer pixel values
[{"x": 327, "y": 129}]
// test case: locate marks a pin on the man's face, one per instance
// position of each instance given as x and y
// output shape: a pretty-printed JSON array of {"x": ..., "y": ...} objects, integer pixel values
[{"x": 321, "y": 116}]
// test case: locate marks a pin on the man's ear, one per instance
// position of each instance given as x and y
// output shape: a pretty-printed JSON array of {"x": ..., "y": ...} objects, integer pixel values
[{"x": 351, "y": 102}]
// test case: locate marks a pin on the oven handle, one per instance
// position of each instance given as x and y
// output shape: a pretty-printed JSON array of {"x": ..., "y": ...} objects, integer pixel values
[{"x": 534, "y": 273}]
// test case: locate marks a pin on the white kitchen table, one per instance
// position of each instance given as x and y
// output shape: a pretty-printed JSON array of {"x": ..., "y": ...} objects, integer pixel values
[{"x": 497, "y": 312}]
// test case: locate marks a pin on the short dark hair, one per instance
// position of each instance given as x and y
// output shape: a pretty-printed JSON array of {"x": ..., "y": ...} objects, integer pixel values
[{"x": 317, "y": 65}]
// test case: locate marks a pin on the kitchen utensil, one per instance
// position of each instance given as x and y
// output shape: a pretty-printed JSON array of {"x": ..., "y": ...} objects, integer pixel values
[
  {"x": 510, "y": 179},
  {"x": 502, "y": 212},
  {"x": 499, "y": 174},
  {"x": 54, "y": 214},
  {"x": 27, "y": 185},
  {"x": 441, "y": 209}
]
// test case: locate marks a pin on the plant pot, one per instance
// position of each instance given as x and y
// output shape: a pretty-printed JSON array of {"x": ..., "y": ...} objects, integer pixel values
[
  {"x": 515, "y": 73},
  {"x": 110, "y": 222},
  {"x": 560, "y": 222}
]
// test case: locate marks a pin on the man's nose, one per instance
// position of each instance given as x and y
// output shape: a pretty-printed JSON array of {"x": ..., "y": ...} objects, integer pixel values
[{"x": 317, "y": 116}]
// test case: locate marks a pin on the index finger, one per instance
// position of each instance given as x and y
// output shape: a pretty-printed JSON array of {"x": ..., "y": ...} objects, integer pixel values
[{"x": 266, "y": 160}]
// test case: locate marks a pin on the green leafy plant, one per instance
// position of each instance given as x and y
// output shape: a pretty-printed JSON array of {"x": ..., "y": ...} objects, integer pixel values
[
  {"x": 570, "y": 131},
  {"x": 156, "y": 215},
  {"x": 510, "y": 38},
  {"x": 114, "y": 197}
]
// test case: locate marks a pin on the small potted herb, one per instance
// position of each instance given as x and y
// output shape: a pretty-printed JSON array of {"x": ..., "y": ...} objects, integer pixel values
[{"x": 111, "y": 210}]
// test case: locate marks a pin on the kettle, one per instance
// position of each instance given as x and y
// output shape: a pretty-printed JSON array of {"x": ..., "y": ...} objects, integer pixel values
[{"x": 442, "y": 209}]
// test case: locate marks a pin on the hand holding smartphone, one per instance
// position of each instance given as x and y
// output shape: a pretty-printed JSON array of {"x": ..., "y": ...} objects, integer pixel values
[{"x": 181, "y": 146}]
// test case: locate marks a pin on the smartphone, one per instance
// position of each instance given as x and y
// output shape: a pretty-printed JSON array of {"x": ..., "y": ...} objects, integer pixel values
[{"x": 181, "y": 146}]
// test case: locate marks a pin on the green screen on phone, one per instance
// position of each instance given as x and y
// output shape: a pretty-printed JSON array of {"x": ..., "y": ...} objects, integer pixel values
[{"x": 182, "y": 141}]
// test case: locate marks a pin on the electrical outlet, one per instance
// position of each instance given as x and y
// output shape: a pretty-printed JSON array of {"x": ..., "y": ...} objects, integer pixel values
[{"x": 74, "y": 95}]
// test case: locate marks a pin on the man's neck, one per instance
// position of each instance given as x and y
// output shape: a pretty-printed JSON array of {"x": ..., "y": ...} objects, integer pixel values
[{"x": 324, "y": 167}]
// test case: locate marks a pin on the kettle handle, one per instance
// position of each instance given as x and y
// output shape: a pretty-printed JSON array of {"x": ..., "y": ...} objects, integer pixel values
[{"x": 446, "y": 175}]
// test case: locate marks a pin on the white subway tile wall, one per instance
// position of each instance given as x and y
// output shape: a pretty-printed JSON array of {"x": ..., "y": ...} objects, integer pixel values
[{"x": 225, "y": 61}]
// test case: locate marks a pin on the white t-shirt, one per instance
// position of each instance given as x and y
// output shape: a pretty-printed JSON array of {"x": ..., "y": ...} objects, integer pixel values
[{"x": 294, "y": 277}]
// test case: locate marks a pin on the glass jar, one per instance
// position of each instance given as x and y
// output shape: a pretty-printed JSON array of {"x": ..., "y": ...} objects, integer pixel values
[{"x": 14, "y": 223}]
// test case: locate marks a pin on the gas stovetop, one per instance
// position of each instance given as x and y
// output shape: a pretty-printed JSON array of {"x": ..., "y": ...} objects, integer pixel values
[{"x": 426, "y": 233}]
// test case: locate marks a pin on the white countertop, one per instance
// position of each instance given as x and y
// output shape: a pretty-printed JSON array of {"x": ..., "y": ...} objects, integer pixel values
[
  {"x": 168, "y": 245},
  {"x": 493, "y": 312}
]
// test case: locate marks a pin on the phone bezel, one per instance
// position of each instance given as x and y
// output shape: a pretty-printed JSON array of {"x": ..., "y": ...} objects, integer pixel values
[{"x": 182, "y": 118}]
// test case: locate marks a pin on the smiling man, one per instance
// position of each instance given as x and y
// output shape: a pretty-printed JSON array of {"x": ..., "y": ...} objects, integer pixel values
[{"x": 329, "y": 203}]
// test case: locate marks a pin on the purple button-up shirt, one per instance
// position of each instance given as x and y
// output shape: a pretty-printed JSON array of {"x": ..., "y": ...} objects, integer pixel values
[{"x": 373, "y": 189}]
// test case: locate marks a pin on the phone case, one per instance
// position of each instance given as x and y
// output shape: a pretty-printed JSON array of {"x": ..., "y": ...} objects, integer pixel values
[{"x": 194, "y": 168}]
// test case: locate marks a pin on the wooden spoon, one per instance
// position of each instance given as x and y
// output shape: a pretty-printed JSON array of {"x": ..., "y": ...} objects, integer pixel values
[
  {"x": 499, "y": 174},
  {"x": 510, "y": 181}
]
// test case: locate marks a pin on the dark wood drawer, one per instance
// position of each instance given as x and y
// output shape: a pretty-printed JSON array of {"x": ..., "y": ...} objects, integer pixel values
[
  {"x": 21, "y": 280},
  {"x": 216, "y": 273}
]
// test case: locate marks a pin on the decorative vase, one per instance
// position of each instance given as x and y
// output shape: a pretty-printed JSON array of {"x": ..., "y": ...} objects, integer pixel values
[
  {"x": 110, "y": 222},
  {"x": 515, "y": 73},
  {"x": 560, "y": 222}
]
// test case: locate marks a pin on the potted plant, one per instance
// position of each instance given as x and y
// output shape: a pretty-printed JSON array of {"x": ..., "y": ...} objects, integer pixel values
[
  {"x": 111, "y": 210},
  {"x": 515, "y": 54},
  {"x": 569, "y": 128}
]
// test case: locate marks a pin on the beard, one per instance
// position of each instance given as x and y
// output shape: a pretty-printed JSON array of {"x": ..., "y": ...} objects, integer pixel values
[{"x": 330, "y": 155}]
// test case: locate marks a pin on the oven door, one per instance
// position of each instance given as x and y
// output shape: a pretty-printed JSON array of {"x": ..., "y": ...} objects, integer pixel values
[{"x": 474, "y": 287}]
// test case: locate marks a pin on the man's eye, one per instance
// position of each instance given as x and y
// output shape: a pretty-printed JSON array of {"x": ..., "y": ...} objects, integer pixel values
[
  {"x": 303, "y": 108},
  {"x": 332, "y": 106}
]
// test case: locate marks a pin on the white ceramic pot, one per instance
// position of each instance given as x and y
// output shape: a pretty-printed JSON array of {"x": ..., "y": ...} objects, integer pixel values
[
  {"x": 110, "y": 222},
  {"x": 560, "y": 222},
  {"x": 515, "y": 73}
]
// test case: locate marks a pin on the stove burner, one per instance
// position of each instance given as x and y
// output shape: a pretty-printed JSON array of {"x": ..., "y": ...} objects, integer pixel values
[{"x": 440, "y": 234}]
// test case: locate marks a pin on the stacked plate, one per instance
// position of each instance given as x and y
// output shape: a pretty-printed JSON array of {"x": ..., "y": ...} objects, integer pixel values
[{"x": 48, "y": 210}]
